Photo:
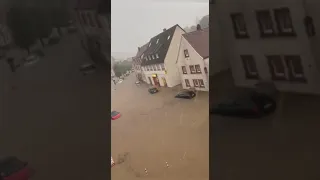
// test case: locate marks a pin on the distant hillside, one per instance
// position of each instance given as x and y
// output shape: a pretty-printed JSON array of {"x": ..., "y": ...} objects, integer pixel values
[
  {"x": 204, "y": 23},
  {"x": 119, "y": 56}
]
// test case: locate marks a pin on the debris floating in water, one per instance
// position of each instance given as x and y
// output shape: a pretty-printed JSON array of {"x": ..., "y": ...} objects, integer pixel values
[
  {"x": 112, "y": 162},
  {"x": 167, "y": 164},
  {"x": 146, "y": 171}
]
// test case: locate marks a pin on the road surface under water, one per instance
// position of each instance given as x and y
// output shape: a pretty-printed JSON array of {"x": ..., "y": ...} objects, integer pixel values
[{"x": 166, "y": 136}]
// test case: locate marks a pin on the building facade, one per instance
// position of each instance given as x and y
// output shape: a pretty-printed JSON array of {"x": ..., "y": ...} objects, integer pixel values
[
  {"x": 136, "y": 63},
  {"x": 193, "y": 52},
  {"x": 160, "y": 58},
  {"x": 271, "y": 40},
  {"x": 94, "y": 21}
]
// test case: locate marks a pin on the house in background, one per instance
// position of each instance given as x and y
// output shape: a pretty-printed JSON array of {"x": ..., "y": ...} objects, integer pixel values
[
  {"x": 193, "y": 59},
  {"x": 159, "y": 59},
  {"x": 136, "y": 63},
  {"x": 271, "y": 42}
]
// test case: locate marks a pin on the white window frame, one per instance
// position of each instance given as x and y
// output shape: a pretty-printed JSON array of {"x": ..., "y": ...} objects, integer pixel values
[
  {"x": 157, "y": 56},
  {"x": 152, "y": 56},
  {"x": 157, "y": 41}
]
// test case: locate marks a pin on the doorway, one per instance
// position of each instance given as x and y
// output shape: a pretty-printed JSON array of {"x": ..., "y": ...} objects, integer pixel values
[
  {"x": 156, "y": 81},
  {"x": 164, "y": 82}
]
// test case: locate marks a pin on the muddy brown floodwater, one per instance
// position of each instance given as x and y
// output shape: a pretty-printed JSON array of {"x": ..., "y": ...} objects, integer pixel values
[{"x": 168, "y": 137}]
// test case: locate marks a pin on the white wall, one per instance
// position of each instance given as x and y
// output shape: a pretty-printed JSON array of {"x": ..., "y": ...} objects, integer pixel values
[
  {"x": 173, "y": 76},
  {"x": 258, "y": 47},
  {"x": 193, "y": 59}
]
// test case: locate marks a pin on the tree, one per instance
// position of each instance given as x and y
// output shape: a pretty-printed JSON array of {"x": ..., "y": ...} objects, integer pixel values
[
  {"x": 42, "y": 23},
  {"x": 20, "y": 22}
]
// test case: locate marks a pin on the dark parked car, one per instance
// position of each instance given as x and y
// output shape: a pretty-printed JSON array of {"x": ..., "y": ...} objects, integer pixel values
[
  {"x": 115, "y": 115},
  {"x": 88, "y": 68},
  {"x": 252, "y": 105},
  {"x": 153, "y": 90},
  {"x": 187, "y": 94},
  {"x": 11, "y": 168}
]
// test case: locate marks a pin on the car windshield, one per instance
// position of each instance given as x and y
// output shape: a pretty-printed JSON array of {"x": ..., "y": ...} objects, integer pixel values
[{"x": 114, "y": 113}]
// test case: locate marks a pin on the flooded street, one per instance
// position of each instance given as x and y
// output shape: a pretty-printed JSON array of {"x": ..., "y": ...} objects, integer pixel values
[{"x": 166, "y": 136}]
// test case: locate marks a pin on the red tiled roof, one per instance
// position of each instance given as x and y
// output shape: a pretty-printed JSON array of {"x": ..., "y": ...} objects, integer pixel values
[{"x": 199, "y": 40}]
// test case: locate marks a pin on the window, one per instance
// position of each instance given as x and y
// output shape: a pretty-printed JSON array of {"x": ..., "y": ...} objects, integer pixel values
[
  {"x": 84, "y": 19},
  {"x": 187, "y": 82},
  {"x": 284, "y": 22},
  {"x": 309, "y": 25},
  {"x": 195, "y": 82},
  {"x": 205, "y": 70},
  {"x": 90, "y": 19},
  {"x": 149, "y": 57},
  {"x": 249, "y": 67},
  {"x": 152, "y": 56},
  {"x": 198, "y": 69},
  {"x": 162, "y": 67},
  {"x": 186, "y": 53},
  {"x": 157, "y": 56},
  {"x": 276, "y": 67},
  {"x": 159, "y": 67},
  {"x": 265, "y": 23},
  {"x": 149, "y": 44},
  {"x": 201, "y": 83},
  {"x": 157, "y": 41},
  {"x": 192, "y": 69},
  {"x": 184, "y": 69},
  {"x": 155, "y": 67},
  {"x": 239, "y": 25},
  {"x": 295, "y": 68},
  {"x": 168, "y": 37},
  {"x": 98, "y": 21}
]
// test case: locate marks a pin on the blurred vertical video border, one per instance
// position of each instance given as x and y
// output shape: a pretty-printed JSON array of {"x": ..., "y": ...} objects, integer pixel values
[
  {"x": 55, "y": 89},
  {"x": 264, "y": 105},
  {"x": 160, "y": 89}
]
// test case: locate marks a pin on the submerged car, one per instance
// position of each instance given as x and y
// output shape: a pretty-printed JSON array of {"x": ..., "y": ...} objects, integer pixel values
[
  {"x": 88, "y": 69},
  {"x": 11, "y": 168},
  {"x": 115, "y": 115},
  {"x": 187, "y": 94},
  {"x": 252, "y": 105},
  {"x": 153, "y": 90}
]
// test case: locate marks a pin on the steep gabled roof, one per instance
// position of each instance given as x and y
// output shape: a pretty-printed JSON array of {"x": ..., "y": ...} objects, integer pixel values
[
  {"x": 159, "y": 45},
  {"x": 199, "y": 40},
  {"x": 142, "y": 50}
]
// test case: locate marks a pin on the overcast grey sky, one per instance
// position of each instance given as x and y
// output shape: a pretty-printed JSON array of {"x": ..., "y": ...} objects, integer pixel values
[{"x": 134, "y": 22}]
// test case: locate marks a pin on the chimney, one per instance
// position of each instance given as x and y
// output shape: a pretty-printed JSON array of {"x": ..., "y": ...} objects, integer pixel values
[
  {"x": 198, "y": 27},
  {"x": 164, "y": 29}
]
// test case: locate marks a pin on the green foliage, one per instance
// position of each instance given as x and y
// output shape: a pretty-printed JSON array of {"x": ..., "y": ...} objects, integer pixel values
[{"x": 122, "y": 68}]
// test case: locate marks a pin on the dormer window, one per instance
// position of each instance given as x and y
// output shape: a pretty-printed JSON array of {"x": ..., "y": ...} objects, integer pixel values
[
  {"x": 152, "y": 56},
  {"x": 186, "y": 53},
  {"x": 157, "y": 41},
  {"x": 168, "y": 37},
  {"x": 150, "y": 44},
  {"x": 157, "y": 56}
]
